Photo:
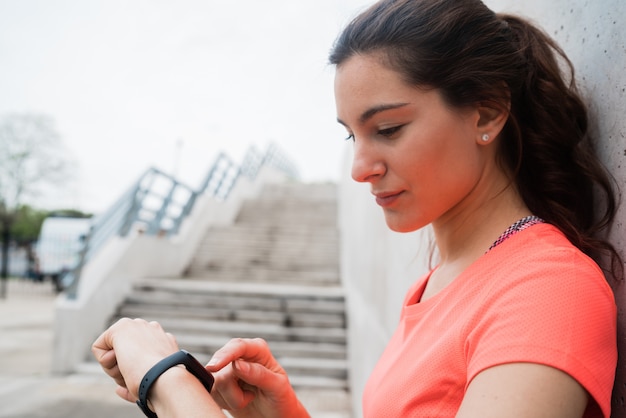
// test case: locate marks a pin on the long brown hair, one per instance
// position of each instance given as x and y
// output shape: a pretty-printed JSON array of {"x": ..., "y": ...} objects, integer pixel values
[{"x": 475, "y": 56}]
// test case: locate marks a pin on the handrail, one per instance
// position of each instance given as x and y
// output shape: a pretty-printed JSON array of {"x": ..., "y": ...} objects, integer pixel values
[
  {"x": 254, "y": 160},
  {"x": 221, "y": 177},
  {"x": 157, "y": 203}
]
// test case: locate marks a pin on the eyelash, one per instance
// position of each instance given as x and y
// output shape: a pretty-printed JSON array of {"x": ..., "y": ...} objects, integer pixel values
[{"x": 388, "y": 132}]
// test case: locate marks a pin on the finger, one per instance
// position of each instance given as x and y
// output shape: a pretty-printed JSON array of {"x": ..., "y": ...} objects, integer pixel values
[
  {"x": 101, "y": 347},
  {"x": 153, "y": 324},
  {"x": 227, "y": 392},
  {"x": 115, "y": 374},
  {"x": 125, "y": 394},
  {"x": 104, "y": 342},
  {"x": 253, "y": 350},
  {"x": 258, "y": 376},
  {"x": 172, "y": 338},
  {"x": 108, "y": 360}
]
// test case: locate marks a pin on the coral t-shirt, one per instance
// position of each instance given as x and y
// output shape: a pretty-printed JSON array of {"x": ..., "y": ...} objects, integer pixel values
[{"x": 533, "y": 298}]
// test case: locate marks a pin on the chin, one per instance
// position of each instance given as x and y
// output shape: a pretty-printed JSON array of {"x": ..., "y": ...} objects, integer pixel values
[{"x": 403, "y": 227}]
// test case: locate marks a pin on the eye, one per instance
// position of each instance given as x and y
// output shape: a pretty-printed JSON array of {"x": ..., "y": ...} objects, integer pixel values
[
  {"x": 350, "y": 138},
  {"x": 389, "y": 132}
]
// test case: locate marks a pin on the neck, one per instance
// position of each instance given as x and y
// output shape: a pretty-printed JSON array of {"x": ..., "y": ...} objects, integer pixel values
[{"x": 464, "y": 234}]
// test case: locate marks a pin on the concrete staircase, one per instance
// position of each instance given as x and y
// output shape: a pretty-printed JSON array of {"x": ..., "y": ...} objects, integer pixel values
[
  {"x": 274, "y": 274},
  {"x": 287, "y": 235}
]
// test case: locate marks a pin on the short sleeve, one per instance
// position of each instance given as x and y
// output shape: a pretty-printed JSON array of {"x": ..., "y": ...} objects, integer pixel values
[{"x": 556, "y": 310}]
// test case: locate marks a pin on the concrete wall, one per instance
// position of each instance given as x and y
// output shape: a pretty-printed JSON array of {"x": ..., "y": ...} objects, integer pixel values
[
  {"x": 108, "y": 277},
  {"x": 378, "y": 265}
]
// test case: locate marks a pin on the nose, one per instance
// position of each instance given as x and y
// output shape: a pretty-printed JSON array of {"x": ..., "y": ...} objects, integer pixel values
[{"x": 367, "y": 164}]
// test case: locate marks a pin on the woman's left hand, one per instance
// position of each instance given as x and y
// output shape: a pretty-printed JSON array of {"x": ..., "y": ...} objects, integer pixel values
[{"x": 128, "y": 349}]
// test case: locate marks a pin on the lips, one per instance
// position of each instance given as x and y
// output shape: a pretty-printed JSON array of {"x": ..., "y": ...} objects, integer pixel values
[{"x": 386, "y": 199}]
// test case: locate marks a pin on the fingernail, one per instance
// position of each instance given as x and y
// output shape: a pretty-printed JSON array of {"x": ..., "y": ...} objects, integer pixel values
[{"x": 213, "y": 362}]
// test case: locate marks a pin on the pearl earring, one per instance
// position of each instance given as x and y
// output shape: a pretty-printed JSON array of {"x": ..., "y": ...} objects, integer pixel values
[{"x": 485, "y": 137}]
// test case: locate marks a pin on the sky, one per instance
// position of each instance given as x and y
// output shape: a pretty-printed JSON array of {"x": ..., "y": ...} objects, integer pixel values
[{"x": 133, "y": 84}]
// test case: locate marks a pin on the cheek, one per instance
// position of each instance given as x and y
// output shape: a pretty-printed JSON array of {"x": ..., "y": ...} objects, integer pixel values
[
  {"x": 457, "y": 149},
  {"x": 459, "y": 165},
  {"x": 444, "y": 171},
  {"x": 457, "y": 179}
]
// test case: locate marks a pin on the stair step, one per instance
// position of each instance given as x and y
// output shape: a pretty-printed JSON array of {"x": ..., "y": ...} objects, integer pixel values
[
  {"x": 315, "y": 367},
  {"x": 208, "y": 344},
  {"x": 200, "y": 286},
  {"x": 260, "y": 228},
  {"x": 294, "y": 256},
  {"x": 317, "y": 382},
  {"x": 296, "y": 378},
  {"x": 226, "y": 299},
  {"x": 296, "y": 319},
  {"x": 269, "y": 332},
  {"x": 273, "y": 242},
  {"x": 283, "y": 247},
  {"x": 300, "y": 366},
  {"x": 147, "y": 311},
  {"x": 222, "y": 274},
  {"x": 315, "y": 191},
  {"x": 285, "y": 250},
  {"x": 299, "y": 263}
]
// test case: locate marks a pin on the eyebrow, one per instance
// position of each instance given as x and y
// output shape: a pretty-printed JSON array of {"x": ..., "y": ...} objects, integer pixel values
[{"x": 369, "y": 113}]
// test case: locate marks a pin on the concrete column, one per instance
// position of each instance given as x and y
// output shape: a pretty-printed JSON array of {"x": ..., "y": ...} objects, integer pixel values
[
  {"x": 378, "y": 265},
  {"x": 593, "y": 35}
]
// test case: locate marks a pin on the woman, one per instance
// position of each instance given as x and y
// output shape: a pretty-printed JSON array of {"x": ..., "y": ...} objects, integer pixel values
[{"x": 461, "y": 119}]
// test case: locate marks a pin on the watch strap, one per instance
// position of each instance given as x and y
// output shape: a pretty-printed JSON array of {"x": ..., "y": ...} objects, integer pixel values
[{"x": 181, "y": 357}]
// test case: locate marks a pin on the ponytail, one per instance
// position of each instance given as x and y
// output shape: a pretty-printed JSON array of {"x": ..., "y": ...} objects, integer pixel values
[
  {"x": 472, "y": 55},
  {"x": 547, "y": 142}
]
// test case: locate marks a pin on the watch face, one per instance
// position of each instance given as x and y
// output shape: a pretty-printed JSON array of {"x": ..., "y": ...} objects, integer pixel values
[{"x": 198, "y": 370}]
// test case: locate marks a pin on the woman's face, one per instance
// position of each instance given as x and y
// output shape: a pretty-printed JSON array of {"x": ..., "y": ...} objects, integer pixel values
[{"x": 423, "y": 159}]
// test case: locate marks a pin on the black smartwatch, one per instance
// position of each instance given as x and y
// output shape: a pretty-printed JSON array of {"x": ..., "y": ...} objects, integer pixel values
[{"x": 182, "y": 357}]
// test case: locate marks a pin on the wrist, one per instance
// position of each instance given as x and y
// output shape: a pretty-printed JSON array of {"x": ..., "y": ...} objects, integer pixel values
[
  {"x": 166, "y": 387},
  {"x": 174, "y": 384},
  {"x": 180, "y": 395}
]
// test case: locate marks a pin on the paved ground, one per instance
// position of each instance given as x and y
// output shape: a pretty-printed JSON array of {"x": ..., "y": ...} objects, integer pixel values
[{"x": 28, "y": 390}]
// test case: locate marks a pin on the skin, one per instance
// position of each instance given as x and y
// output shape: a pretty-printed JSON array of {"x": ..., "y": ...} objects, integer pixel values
[
  {"x": 249, "y": 382},
  {"x": 430, "y": 156},
  {"x": 426, "y": 163},
  {"x": 129, "y": 348},
  {"x": 266, "y": 391}
]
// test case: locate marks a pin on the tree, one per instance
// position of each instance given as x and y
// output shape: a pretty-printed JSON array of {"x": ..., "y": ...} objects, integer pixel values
[
  {"x": 31, "y": 154},
  {"x": 28, "y": 221},
  {"x": 27, "y": 224}
]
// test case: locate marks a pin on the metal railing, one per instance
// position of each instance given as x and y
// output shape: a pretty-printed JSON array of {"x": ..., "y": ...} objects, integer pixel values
[{"x": 157, "y": 203}]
